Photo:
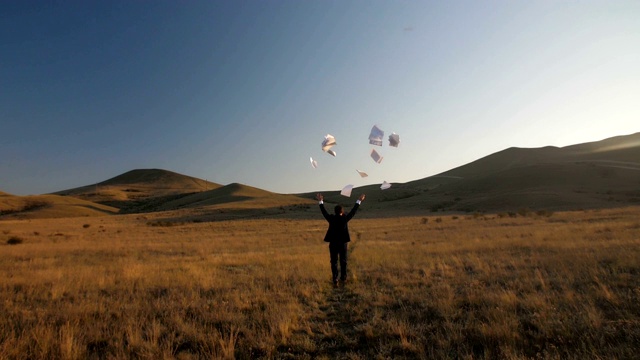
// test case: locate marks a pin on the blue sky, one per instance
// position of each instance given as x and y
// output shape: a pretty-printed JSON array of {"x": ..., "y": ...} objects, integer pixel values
[{"x": 244, "y": 91}]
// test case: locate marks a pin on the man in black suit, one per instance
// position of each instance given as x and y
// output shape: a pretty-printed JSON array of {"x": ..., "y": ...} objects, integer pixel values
[{"x": 338, "y": 236}]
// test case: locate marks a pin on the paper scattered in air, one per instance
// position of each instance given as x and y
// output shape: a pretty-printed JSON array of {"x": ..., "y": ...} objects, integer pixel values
[
  {"x": 346, "y": 191},
  {"x": 375, "y": 156},
  {"x": 313, "y": 163},
  {"x": 329, "y": 141},
  {"x": 331, "y": 152},
  {"x": 375, "y": 138},
  {"x": 394, "y": 140},
  {"x": 385, "y": 185},
  {"x": 362, "y": 173}
]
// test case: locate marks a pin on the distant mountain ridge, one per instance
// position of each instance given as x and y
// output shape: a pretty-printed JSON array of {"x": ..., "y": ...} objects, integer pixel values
[
  {"x": 159, "y": 178},
  {"x": 140, "y": 184},
  {"x": 625, "y": 149},
  {"x": 597, "y": 174}
]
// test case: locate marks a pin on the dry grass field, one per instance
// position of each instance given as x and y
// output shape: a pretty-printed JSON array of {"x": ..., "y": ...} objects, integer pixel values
[{"x": 563, "y": 285}]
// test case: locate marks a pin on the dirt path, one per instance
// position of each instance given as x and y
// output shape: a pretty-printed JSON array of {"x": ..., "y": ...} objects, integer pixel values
[{"x": 332, "y": 331}]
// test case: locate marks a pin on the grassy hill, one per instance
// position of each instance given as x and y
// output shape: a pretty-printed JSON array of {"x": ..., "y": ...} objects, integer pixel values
[
  {"x": 49, "y": 206},
  {"x": 591, "y": 175},
  {"x": 235, "y": 201},
  {"x": 138, "y": 186},
  {"x": 237, "y": 196},
  {"x": 599, "y": 174}
]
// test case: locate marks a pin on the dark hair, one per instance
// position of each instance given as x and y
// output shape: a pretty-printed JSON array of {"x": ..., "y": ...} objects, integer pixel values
[{"x": 338, "y": 209}]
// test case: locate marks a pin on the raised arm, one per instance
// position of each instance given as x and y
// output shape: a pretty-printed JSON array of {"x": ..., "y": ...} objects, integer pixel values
[
  {"x": 353, "y": 211},
  {"x": 322, "y": 209}
]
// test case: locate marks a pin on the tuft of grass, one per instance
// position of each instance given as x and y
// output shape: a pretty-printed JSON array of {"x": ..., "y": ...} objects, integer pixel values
[
  {"x": 545, "y": 213},
  {"x": 15, "y": 240}
]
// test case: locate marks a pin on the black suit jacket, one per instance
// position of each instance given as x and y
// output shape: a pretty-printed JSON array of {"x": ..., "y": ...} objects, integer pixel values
[{"x": 338, "y": 231}]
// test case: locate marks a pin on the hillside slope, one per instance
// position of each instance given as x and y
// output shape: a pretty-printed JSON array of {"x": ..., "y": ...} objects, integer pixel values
[
  {"x": 599, "y": 174},
  {"x": 140, "y": 184},
  {"x": 49, "y": 206},
  {"x": 591, "y": 175},
  {"x": 236, "y": 196}
]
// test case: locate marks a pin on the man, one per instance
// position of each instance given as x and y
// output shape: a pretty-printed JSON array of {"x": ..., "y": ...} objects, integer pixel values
[{"x": 338, "y": 236}]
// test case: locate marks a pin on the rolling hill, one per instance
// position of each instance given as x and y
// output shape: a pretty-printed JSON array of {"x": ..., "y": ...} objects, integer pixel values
[
  {"x": 592, "y": 175},
  {"x": 49, "y": 206},
  {"x": 231, "y": 197},
  {"x": 140, "y": 185},
  {"x": 236, "y": 195}
]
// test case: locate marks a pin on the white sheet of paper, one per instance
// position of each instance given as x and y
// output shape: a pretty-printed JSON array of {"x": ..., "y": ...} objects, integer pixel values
[
  {"x": 346, "y": 191},
  {"x": 362, "y": 173},
  {"x": 328, "y": 142},
  {"x": 313, "y": 163},
  {"x": 385, "y": 185},
  {"x": 394, "y": 140},
  {"x": 376, "y": 135},
  {"x": 332, "y": 153},
  {"x": 375, "y": 156}
]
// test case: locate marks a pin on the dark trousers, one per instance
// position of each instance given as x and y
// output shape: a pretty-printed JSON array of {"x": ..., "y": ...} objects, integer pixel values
[{"x": 338, "y": 250}]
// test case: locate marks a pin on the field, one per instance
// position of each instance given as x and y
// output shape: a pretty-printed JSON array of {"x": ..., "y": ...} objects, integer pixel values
[{"x": 551, "y": 285}]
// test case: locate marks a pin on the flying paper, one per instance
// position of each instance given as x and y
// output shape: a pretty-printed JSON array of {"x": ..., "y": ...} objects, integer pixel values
[
  {"x": 346, "y": 191},
  {"x": 385, "y": 185},
  {"x": 375, "y": 138},
  {"x": 329, "y": 141},
  {"x": 313, "y": 163},
  {"x": 331, "y": 152},
  {"x": 362, "y": 173},
  {"x": 375, "y": 156},
  {"x": 394, "y": 140}
]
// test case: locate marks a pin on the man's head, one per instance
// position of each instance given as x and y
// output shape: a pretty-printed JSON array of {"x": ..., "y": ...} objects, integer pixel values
[{"x": 338, "y": 209}]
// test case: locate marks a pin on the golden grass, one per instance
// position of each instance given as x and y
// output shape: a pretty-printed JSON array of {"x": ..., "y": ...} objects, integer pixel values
[
  {"x": 50, "y": 206},
  {"x": 564, "y": 286}
]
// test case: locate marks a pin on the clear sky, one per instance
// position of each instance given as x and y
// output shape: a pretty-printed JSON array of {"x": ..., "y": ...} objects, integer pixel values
[{"x": 244, "y": 91}]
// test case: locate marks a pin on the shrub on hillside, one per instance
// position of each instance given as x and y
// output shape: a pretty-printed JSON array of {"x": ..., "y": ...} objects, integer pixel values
[
  {"x": 8, "y": 211},
  {"x": 545, "y": 213},
  {"x": 28, "y": 206},
  {"x": 33, "y": 205},
  {"x": 14, "y": 240},
  {"x": 441, "y": 206},
  {"x": 163, "y": 223}
]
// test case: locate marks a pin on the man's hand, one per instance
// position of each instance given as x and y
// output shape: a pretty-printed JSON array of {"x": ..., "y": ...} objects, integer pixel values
[
  {"x": 361, "y": 198},
  {"x": 319, "y": 197}
]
